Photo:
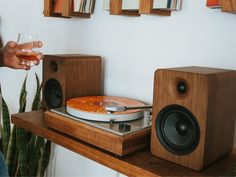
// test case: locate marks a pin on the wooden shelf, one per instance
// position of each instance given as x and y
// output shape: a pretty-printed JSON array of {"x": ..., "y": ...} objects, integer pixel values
[
  {"x": 229, "y": 6},
  {"x": 141, "y": 163},
  {"x": 145, "y": 7},
  {"x": 67, "y": 10},
  {"x": 225, "y": 5}
]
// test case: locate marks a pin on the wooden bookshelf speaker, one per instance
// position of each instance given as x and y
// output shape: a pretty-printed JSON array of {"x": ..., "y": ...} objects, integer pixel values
[
  {"x": 193, "y": 115},
  {"x": 69, "y": 76}
]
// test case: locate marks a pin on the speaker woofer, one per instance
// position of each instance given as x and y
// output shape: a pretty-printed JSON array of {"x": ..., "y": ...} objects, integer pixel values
[
  {"x": 53, "y": 94},
  {"x": 177, "y": 129}
]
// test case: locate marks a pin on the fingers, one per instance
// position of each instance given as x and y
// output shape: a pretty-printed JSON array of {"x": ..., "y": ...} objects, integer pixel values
[
  {"x": 30, "y": 45},
  {"x": 39, "y": 56},
  {"x": 10, "y": 48},
  {"x": 36, "y": 62},
  {"x": 11, "y": 44},
  {"x": 25, "y": 67}
]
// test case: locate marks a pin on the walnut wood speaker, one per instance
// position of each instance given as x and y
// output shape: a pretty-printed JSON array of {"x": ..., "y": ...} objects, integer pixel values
[
  {"x": 69, "y": 76},
  {"x": 193, "y": 115}
]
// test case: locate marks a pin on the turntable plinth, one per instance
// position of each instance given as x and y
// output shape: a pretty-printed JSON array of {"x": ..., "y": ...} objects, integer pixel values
[{"x": 118, "y": 144}]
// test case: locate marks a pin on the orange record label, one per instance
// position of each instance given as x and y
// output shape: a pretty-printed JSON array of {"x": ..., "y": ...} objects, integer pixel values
[{"x": 97, "y": 104}]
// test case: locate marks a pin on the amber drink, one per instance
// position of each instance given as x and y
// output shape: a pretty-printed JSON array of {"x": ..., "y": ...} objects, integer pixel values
[{"x": 26, "y": 53}]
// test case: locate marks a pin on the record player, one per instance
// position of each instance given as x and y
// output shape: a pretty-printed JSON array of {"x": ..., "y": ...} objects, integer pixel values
[{"x": 118, "y": 125}]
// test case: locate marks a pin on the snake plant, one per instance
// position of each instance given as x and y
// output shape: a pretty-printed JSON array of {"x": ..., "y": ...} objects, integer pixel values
[{"x": 26, "y": 154}]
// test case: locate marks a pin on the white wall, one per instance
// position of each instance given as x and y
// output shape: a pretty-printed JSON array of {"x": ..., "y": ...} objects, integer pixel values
[{"x": 132, "y": 48}]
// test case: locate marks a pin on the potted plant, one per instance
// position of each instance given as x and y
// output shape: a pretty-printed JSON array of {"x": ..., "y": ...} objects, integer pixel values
[{"x": 26, "y": 154}]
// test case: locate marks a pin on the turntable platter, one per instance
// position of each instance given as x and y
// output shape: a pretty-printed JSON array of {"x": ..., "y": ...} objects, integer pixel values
[{"x": 93, "y": 108}]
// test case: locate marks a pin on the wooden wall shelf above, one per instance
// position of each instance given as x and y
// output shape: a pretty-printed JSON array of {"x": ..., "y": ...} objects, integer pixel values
[
  {"x": 64, "y": 9},
  {"x": 229, "y": 6},
  {"x": 145, "y": 7},
  {"x": 225, "y": 5},
  {"x": 141, "y": 163}
]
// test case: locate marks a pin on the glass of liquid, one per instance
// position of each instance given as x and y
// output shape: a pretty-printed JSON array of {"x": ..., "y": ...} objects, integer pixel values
[{"x": 27, "y": 53}]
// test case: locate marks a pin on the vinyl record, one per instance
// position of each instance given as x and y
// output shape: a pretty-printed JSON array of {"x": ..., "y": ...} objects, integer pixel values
[{"x": 93, "y": 108}]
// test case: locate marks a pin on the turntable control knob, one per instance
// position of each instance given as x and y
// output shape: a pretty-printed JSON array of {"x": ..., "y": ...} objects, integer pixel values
[{"x": 123, "y": 127}]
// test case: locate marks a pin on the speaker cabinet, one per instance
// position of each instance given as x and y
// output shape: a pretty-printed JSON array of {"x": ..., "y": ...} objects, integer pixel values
[
  {"x": 69, "y": 76},
  {"x": 193, "y": 115}
]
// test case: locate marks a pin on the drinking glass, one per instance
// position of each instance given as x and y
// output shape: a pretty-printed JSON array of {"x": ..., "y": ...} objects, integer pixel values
[{"x": 27, "y": 52}]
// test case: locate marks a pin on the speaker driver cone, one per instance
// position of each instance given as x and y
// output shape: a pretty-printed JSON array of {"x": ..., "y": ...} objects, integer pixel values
[
  {"x": 53, "y": 94},
  {"x": 177, "y": 129}
]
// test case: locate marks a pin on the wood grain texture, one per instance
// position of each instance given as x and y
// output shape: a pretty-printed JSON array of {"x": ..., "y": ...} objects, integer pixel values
[
  {"x": 146, "y": 7},
  {"x": 78, "y": 75},
  {"x": 119, "y": 145},
  {"x": 210, "y": 97},
  {"x": 229, "y": 6},
  {"x": 221, "y": 115},
  {"x": 139, "y": 164},
  {"x": 47, "y": 8},
  {"x": 67, "y": 7}
]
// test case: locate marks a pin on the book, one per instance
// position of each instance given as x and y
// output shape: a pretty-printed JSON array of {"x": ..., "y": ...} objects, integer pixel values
[
  {"x": 175, "y": 5},
  {"x": 106, "y": 5},
  {"x": 91, "y": 6},
  {"x": 57, "y": 6},
  {"x": 167, "y": 4},
  {"x": 214, "y": 3},
  {"x": 160, "y": 4},
  {"x": 130, "y": 5},
  {"x": 76, "y": 4},
  {"x": 178, "y": 5}
]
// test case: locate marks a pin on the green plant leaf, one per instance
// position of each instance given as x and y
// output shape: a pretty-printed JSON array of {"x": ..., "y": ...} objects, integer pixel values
[
  {"x": 30, "y": 151},
  {"x": 35, "y": 158},
  {"x": 6, "y": 127},
  {"x": 23, "y": 89},
  {"x": 12, "y": 153},
  {"x": 23, "y": 95},
  {"x": 21, "y": 134},
  {"x": 21, "y": 146},
  {"x": 45, "y": 158},
  {"x": 37, "y": 101},
  {"x": 26, "y": 153}
]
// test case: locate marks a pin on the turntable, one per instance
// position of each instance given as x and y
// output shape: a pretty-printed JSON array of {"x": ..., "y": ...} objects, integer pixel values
[{"x": 115, "y": 124}]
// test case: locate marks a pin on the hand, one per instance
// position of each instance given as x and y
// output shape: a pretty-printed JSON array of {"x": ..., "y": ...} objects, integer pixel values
[{"x": 11, "y": 49}]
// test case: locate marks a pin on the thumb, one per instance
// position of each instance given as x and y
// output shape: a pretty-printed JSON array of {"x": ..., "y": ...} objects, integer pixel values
[{"x": 11, "y": 44}]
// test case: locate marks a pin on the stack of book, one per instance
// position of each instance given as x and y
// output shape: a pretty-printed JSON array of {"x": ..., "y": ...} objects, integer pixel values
[
  {"x": 214, "y": 3},
  {"x": 84, "y": 6},
  {"x": 157, "y": 4},
  {"x": 225, "y": 5},
  {"x": 167, "y": 4}
]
